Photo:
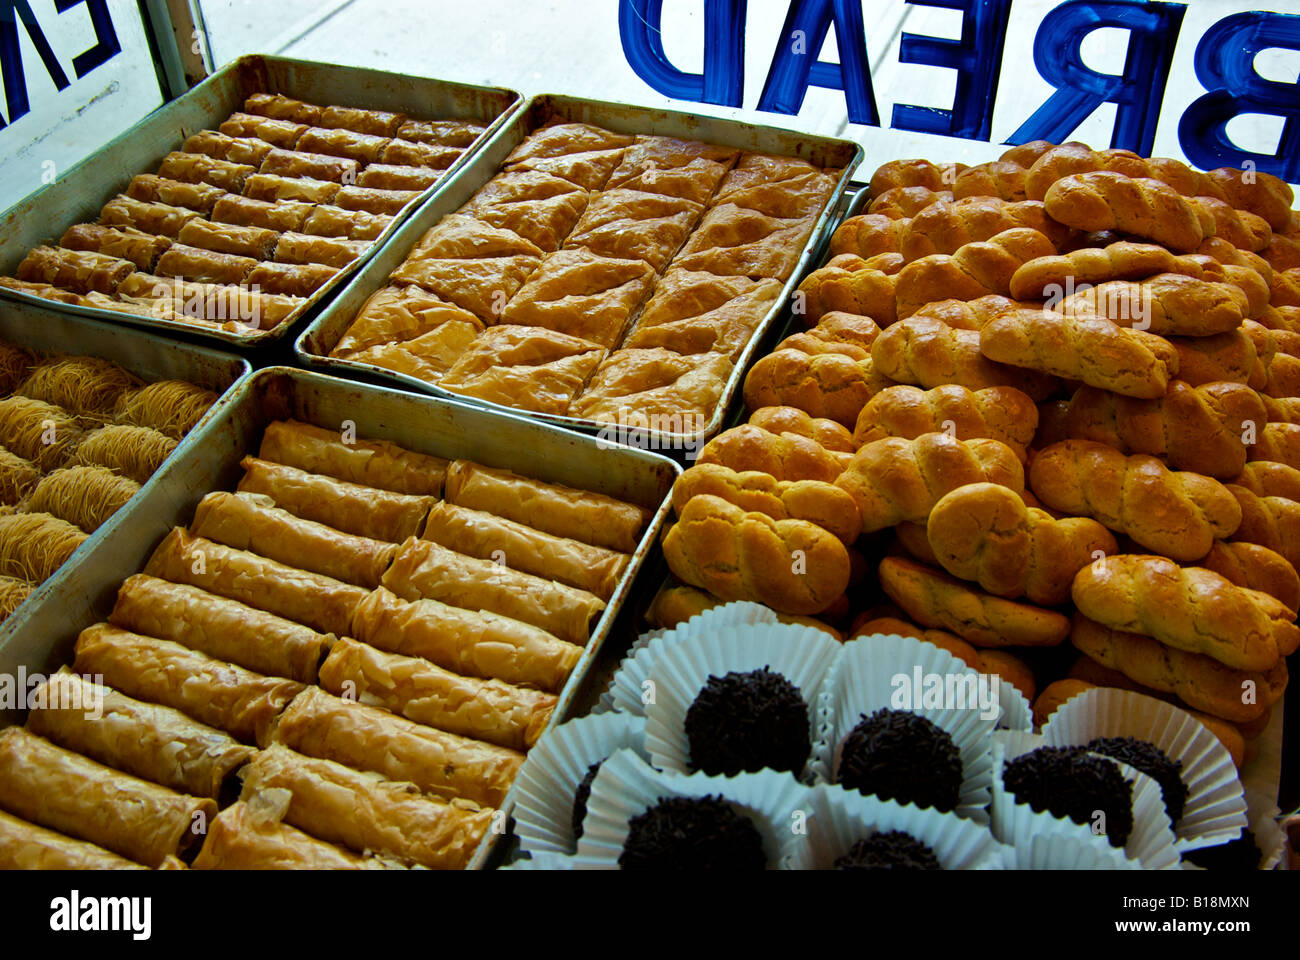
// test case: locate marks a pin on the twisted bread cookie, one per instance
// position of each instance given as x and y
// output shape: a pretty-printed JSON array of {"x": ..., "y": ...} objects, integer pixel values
[
  {"x": 914, "y": 173},
  {"x": 946, "y": 227},
  {"x": 1124, "y": 260},
  {"x": 973, "y": 270},
  {"x": 1188, "y": 608},
  {"x": 1241, "y": 228},
  {"x": 998, "y": 413},
  {"x": 786, "y": 456},
  {"x": 1168, "y": 303},
  {"x": 1256, "y": 568},
  {"x": 967, "y": 314},
  {"x": 1177, "y": 514},
  {"x": 1281, "y": 318},
  {"x": 928, "y": 353},
  {"x": 997, "y": 178},
  {"x": 1282, "y": 253},
  {"x": 1265, "y": 478},
  {"x": 825, "y": 371},
  {"x": 1278, "y": 442},
  {"x": 895, "y": 479},
  {"x": 984, "y": 532},
  {"x": 1230, "y": 357},
  {"x": 900, "y": 203},
  {"x": 934, "y": 599},
  {"x": 1201, "y": 682},
  {"x": 1203, "y": 429},
  {"x": 1227, "y": 255},
  {"x": 1282, "y": 409},
  {"x": 1272, "y": 522},
  {"x": 790, "y": 565},
  {"x": 867, "y": 235},
  {"x": 1285, "y": 289},
  {"x": 1140, "y": 206},
  {"x": 782, "y": 419},
  {"x": 1261, "y": 193},
  {"x": 1091, "y": 349},
  {"x": 815, "y": 501},
  {"x": 848, "y": 285},
  {"x": 1074, "y": 158}
]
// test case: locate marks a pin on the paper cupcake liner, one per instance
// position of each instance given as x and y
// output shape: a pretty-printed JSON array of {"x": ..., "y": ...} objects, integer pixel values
[
  {"x": 627, "y": 786},
  {"x": 1151, "y": 841},
  {"x": 546, "y": 860},
  {"x": 1215, "y": 811},
  {"x": 625, "y": 692},
  {"x": 1262, "y": 820},
  {"x": 803, "y": 655},
  {"x": 839, "y": 818},
  {"x": 1017, "y": 713},
  {"x": 1060, "y": 851},
  {"x": 551, "y": 773},
  {"x": 862, "y": 682}
]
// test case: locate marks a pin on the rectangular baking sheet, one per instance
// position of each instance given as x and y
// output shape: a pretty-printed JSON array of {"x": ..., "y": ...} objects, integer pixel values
[
  {"x": 79, "y": 193},
  {"x": 149, "y": 357},
  {"x": 314, "y": 345},
  {"x": 421, "y": 423}
]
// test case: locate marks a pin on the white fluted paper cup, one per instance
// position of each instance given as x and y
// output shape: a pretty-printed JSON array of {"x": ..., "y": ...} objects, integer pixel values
[
  {"x": 626, "y": 691},
  {"x": 1059, "y": 851},
  {"x": 839, "y": 818},
  {"x": 553, "y": 770},
  {"x": 866, "y": 678},
  {"x": 627, "y": 787},
  {"x": 1150, "y": 842},
  {"x": 1262, "y": 821},
  {"x": 1017, "y": 713},
  {"x": 803, "y": 655},
  {"x": 1215, "y": 811}
]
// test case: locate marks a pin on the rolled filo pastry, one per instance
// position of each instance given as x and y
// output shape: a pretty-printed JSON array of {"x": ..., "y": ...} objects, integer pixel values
[
  {"x": 25, "y": 846},
  {"x": 222, "y": 695},
  {"x": 578, "y": 514},
  {"x": 222, "y": 628},
  {"x": 489, "y": 537},
  {"x": 424, "y": 570},
  {"x": 64, "y": 791},
  {"x": 350, "y": 507},
  {"x": 319, "y": 724},
  {"x": 473, "y": 643},
  {"x": 488, "y": 710},
  {"x": 317, "y": 601},
  {"x": 371, "y": 463},
  {"x": 152, "y": 742},
  {"x": 365, "y": 812},
  {"x": 244, "y": 838},
  {"x": 252, "y": 521}
]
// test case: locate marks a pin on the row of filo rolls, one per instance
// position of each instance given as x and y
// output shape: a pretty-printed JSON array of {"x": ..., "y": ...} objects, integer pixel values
[
  {"x": 79, "y": 435},
  {"x": 339, "y": 665}
]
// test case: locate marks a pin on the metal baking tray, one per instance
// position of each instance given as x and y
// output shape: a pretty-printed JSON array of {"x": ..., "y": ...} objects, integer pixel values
[
  {"x": 149, "y": 357},
  {"x": 321, "y": 336},
  {"x": 46, "y": 637},
  {"x": 78, "y": 194}
]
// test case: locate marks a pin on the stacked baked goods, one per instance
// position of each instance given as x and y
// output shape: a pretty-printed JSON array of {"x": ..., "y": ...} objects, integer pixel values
[
  {"x": 78, "y": 436},
  {"x": 343, "y": 663},
  {"x": 242, "y": 225},
  {"x": 1041, "y": 403},
  {"x": 598, "y": 275}
]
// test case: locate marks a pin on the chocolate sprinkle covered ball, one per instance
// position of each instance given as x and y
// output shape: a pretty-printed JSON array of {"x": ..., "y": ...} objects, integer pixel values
[
  {"x": 1152, "y": 761},
  {"x": 1071, "y": 782},
  {"x": 744, "y": 722},
  {"x": 1236, "y": 856},
  {"x": 897, "y": 755},
  {"x": 894, "y": 850},
  {"x": 580, "y": 797},
  {"x": 692, "y": 833}
]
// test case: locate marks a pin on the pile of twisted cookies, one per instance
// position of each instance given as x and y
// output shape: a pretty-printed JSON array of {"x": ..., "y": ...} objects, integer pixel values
[{"x": 1043, "y": 403}]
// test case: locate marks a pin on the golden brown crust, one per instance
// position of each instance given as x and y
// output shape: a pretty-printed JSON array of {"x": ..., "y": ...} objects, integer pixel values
[
  {"x": 1178, "y": 514},
  {"x": 791, "y": 565},
  {"x": 895, "y": 479},
  {"x": 984, "y": 532},
  {"x": 998, "y": 413},
  {"x": 934, "y": 599}
]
